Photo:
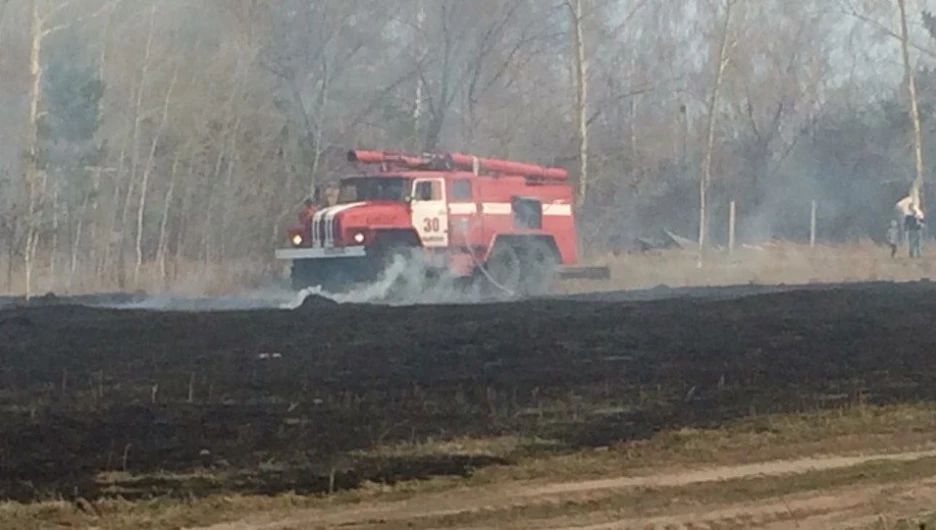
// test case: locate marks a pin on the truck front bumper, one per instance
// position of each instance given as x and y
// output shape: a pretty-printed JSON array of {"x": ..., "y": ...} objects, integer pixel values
[{"x": 321, "y": 253}]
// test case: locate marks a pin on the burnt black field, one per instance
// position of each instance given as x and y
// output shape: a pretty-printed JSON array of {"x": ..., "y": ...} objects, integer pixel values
[{"x": 271, "y": 400}]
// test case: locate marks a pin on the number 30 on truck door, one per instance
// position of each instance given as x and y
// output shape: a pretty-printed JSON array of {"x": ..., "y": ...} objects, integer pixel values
[{"x": 431, "y": 224}]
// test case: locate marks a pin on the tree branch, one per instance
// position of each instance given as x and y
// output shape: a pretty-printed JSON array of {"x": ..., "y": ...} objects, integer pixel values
[
  {"x": 636, "y": 92},
  {"x": 889, "y": 32},
  {"x": 109, "y": 5}
]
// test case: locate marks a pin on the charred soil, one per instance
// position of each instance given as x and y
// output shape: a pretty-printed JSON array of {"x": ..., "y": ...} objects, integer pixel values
[{"x": 266, "y": 401}]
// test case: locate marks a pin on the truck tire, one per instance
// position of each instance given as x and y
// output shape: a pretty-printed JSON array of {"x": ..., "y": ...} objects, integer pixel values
[
  {"x": 504, "y": 271},
  {"x": 324, "y": 274},
  {"x": 539, "y": 262},
  {"x": 303, "y": 274}
]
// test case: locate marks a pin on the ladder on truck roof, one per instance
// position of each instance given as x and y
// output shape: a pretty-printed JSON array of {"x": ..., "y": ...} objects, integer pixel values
[{"x": 453, "y": 161}]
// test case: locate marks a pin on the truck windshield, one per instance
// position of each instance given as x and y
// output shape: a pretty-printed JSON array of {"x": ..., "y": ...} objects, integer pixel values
[{"x": 372, "y": 189}]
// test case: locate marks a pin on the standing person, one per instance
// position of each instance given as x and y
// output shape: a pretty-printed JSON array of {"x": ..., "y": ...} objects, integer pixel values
[
  {"x": 913, "y": 224},
  {"x": 893, "y": 236}
]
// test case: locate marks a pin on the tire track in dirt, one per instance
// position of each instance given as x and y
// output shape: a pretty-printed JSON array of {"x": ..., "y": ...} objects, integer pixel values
[
  {"x": 842, "y": 508},
  {"x": 519, "y": 494},
  {"x": 771, "y": 468}
]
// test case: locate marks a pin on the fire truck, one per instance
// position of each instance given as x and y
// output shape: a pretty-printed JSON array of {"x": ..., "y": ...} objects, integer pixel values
[{"x": 507, "y": 226}]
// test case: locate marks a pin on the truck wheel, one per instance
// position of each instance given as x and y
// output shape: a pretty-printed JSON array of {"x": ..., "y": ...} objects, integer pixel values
[
  {"x": 504, "y": 268},
  {"x": 303, "y": 274},
  {"x": 539, "y": 262}
]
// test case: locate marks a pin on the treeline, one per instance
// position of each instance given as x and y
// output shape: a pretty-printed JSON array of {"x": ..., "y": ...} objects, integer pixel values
[{"x": 143, "y": 140}]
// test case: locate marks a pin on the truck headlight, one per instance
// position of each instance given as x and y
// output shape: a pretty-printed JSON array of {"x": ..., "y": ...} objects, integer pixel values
[
  {"x": 359, "y": 237},
  {"x": 297, "y": 239}
]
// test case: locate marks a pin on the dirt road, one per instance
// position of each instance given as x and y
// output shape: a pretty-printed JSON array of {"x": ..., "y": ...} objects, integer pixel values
[{"x": 812, "y": 510}]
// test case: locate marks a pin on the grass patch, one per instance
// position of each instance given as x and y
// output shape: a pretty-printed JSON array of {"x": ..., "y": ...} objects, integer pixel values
[
  {"x": 850, "y": 429},
  {"x": 768, "y": 263}
]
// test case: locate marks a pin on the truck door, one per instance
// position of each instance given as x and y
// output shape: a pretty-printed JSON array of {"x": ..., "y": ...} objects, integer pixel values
[{"x": 430, "y": 213}]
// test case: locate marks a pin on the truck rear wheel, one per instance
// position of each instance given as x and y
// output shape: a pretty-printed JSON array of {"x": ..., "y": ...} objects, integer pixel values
[
  {"x": 539, "y": 262},
  {"x": 504, "y": 269},
  {"x": 303, "y": 274}
]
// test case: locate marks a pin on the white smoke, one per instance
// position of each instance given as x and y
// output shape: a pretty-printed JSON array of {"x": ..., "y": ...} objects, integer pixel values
[
  {"x": 403, "y": 282},
  {"x": 259, "y": 299}
]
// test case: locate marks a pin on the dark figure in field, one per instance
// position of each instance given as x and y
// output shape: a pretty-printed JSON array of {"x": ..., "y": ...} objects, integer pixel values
[
  {"x": 893, "y": 236},
  {"x": 914, "y": 226}
]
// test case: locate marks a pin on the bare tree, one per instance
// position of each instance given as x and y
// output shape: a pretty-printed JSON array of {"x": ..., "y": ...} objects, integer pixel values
[
  {"x": 138, "y": 117},
  {"x": 32, "y": 164},
  {"x": 581, "y": 104},
  {"x": 144, "y": 180},
  {"x": 917, "y": 189},
  {"x": 721, "y": 62}
]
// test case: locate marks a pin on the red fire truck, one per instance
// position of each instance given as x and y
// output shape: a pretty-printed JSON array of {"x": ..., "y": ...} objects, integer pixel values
[{"x": 508, "y": 225}]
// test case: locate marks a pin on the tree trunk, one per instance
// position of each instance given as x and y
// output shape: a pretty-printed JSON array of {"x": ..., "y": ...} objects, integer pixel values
[
  {"x": 144, "y": 183},
  {"x": 438, "y": 110},
  {"x": 290, "y": 178},
  {"x": 207, "y": 234},
  {"x": 55, "y": 227},
  {"x": 11, "y": 257},
  {"x": 92, "y": 219},
  {"x": 118, "y": 212},
  {"x": 229, "y": 191},
  {"x": 706, "y": 177},
  {"x": 135, "y": 147},
  {"x": 320, "y": 128},
  {"x": 181, "y": 230},
  {"x": 76, "y": 243},
  {"x": 633, "y": 119},
  {"x": 32, "y": 166},
  {"x": 161, "y": 244},
  {"x": 683, "y": 122},
  {"x": 917, "y": 190},
  {"x": 581, "y": 75},
  {"x": 12, "y": 243},
  {"x": 421, "y": 52}
]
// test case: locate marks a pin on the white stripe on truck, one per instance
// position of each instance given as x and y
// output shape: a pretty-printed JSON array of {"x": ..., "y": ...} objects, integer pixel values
[
  {"x": 504, "y": 208},
  {"x": 462, "y": 208},
  {"x": 327, "y": 216}
]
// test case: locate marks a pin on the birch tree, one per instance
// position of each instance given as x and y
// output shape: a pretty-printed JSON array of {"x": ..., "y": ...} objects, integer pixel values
[
  {"x": 916, "y": 192},
  {"x": 147, "y": 169},
  {"x": 581, "y": 95},
  {"x": 720, "y": 63}
]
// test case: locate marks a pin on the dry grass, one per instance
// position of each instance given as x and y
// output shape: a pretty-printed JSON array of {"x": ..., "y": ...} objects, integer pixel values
[
  {"x": 166, "y": 514},
  {"x": 848, "y": 430},
  {"x": 771, "y": 263},
  {"x": 189, "y": 278}
]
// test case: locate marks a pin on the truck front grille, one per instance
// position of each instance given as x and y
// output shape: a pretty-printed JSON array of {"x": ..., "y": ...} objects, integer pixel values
[{"x": 320, "y": 233}]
